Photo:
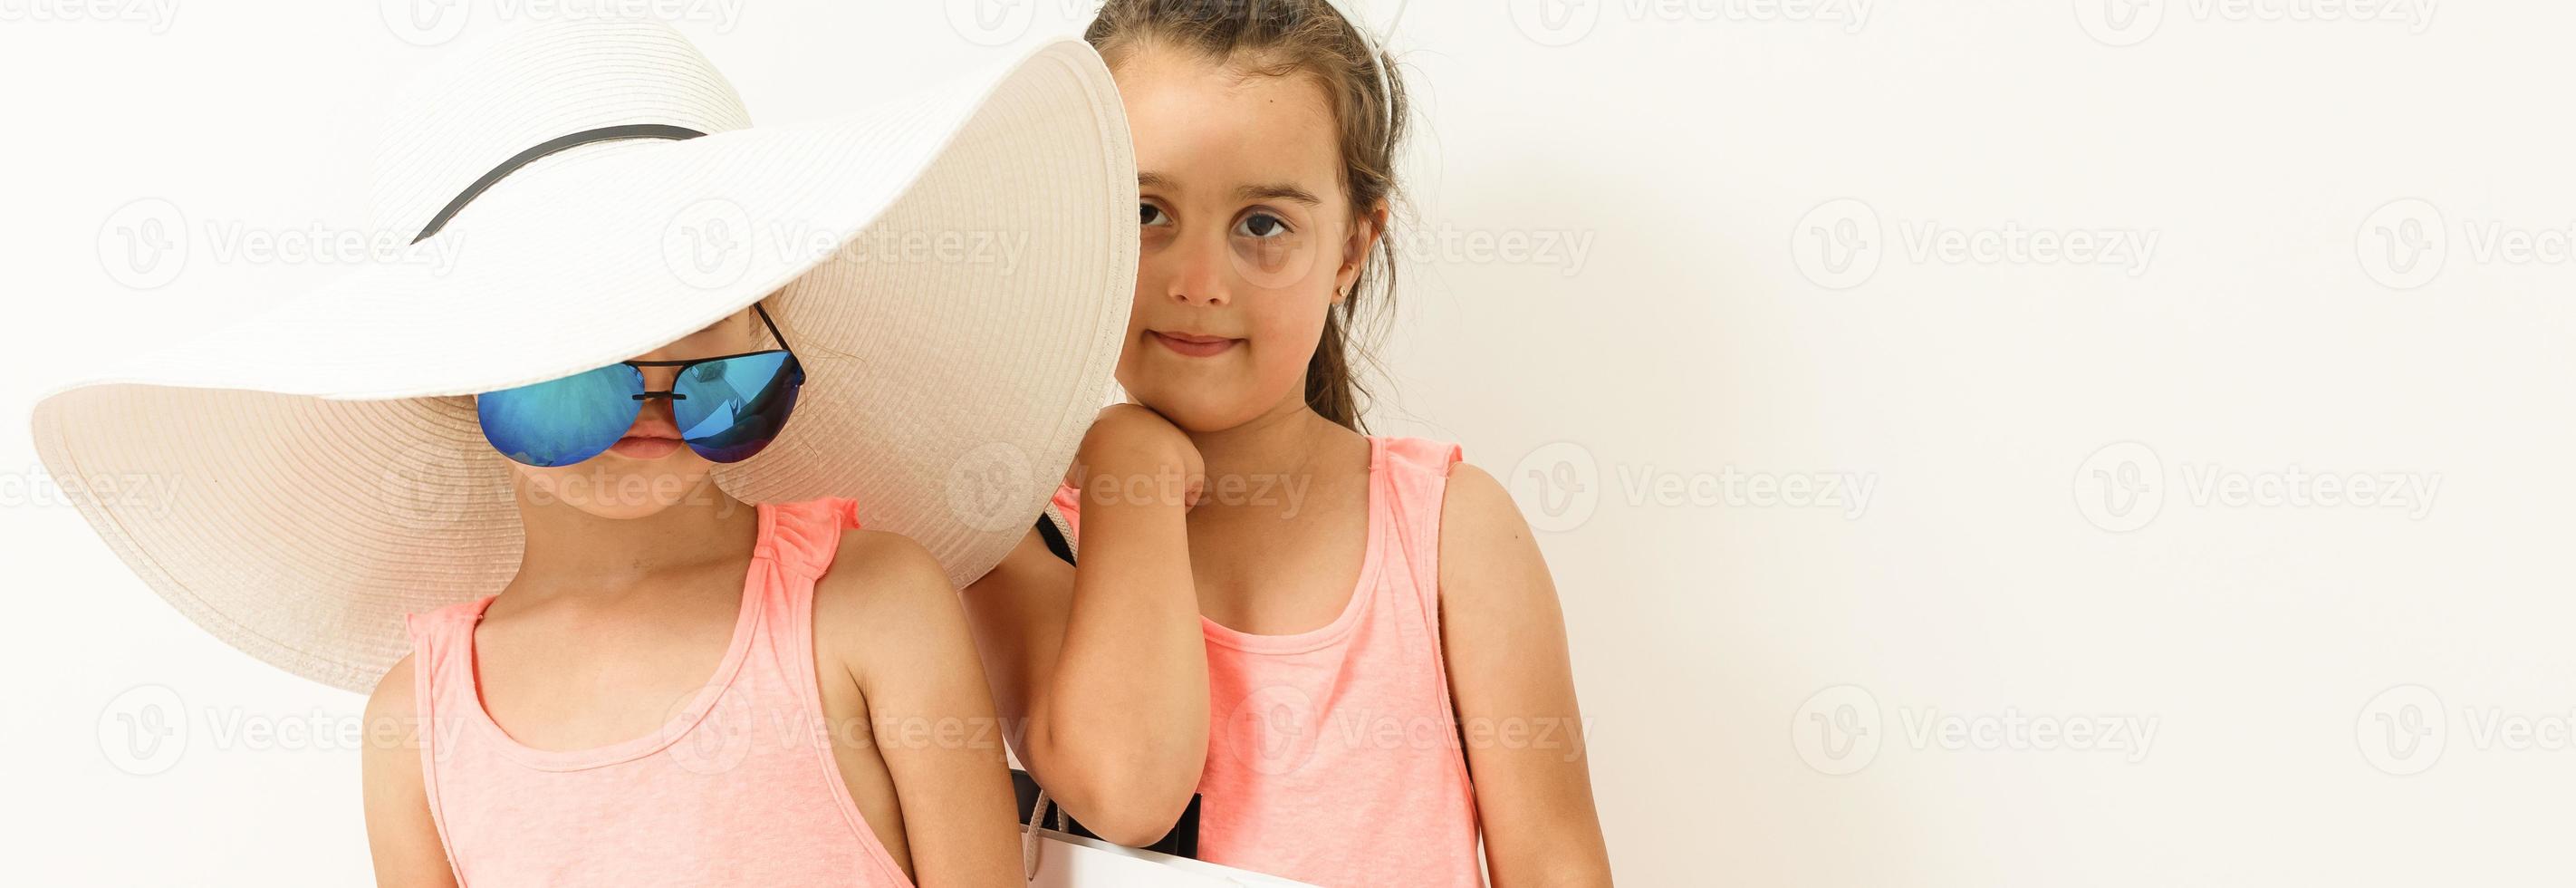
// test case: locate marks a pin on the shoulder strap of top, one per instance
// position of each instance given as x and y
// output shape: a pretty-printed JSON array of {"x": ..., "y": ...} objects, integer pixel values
[
  {"x": 805, "y": 535},
  {"x": 801, "y": 539},
  {"x": 440, "y": 642},
  {"x": 1417, "y": 478}
]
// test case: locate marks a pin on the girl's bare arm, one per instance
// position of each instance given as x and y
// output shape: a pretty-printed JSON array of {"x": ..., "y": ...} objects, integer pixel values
[
  {"x": 1104, "y": 670},
  {"x": 400, "y": 833},
  {"x": 1513, "y": 684},
  {"x": 893, "y": 621}
]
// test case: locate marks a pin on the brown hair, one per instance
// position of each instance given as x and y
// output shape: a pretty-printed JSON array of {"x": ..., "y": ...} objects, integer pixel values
[{"x": 1298, "y": 37}]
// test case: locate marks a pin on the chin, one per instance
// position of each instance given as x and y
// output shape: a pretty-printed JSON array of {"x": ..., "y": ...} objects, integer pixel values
[
  {"x": 1197, "y": 409},
  {"x": 618, "y": 488}
]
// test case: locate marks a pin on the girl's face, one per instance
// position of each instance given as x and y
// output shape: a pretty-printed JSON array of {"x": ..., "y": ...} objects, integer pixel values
[
  {"x": 1248, "y": 236},
  {"x": 649, "y": 470}
]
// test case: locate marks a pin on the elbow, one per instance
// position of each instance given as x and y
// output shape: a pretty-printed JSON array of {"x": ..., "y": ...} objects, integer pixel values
[
  {"x": 1121, "y": 802},
  {"x": 1128, "y": 825}
]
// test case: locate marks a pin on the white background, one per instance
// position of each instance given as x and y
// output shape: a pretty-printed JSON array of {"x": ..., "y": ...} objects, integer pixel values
[{"x": 1753, "y": 309}]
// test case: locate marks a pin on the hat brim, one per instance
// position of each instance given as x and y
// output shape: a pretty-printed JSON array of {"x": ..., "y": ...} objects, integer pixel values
[{"x": 954, "y": 269}]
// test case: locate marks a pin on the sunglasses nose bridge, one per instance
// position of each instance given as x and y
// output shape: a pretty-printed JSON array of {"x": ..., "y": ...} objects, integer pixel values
[
  {"x": 659, "y": 384},
  {"x": 659, "y": 379}
]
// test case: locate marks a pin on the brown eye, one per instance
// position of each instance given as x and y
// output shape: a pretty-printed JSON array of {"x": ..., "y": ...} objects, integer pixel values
[
  {"x": 1150, "y": 215},
  {"x": 1261, "y": 225}
]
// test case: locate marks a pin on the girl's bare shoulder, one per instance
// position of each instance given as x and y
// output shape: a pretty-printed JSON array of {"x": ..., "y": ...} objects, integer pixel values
[
  {"x": 883, "y": 596},
  {"x": 1484, "y": 541}
]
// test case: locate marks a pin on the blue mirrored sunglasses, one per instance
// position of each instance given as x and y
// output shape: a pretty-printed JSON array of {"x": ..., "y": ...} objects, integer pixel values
[{"x": 728, "y": 407}]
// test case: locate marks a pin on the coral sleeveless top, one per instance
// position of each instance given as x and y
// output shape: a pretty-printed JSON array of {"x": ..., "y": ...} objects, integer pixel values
[
  {"x": 1333, "y": 755},
  {"x": 739, "y": 788}
]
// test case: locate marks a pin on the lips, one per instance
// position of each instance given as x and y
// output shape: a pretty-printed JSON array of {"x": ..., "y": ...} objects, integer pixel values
[
  {"x": 1193, "y": 344},
  {"x": 644, "y": 448},
  {"x": 651, "y": 438}
]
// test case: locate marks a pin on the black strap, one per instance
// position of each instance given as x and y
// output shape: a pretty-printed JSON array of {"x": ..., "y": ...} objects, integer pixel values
[
  {"x": 523, "y": 158},
  {"x": 1055, "y": 541},
  {"x": 1182, "y": 841}
]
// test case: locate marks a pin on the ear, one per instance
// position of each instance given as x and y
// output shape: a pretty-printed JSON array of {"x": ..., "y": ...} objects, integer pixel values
[{"x": 1366, "y": 233}]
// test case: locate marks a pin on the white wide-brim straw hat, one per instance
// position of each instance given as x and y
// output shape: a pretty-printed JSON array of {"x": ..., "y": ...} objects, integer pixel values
[{"x": 954, "y": 269}]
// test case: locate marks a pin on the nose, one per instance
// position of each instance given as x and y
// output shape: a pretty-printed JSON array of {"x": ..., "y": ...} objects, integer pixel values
[
  {"x": 657, "y": 415},
  {"x": 1200, "y": 274},
  {"x": 659, "y": 379},
  {"x": 657, "y": 412}
]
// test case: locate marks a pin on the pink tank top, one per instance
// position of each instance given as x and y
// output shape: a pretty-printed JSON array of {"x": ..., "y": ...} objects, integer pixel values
[
  {"x": 740, "y": 787},
  {"x": 1333, "y": 755}
]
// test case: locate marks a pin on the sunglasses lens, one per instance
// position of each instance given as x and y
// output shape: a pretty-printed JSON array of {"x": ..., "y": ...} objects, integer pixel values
[
  {"x": 730, "y": 409},
  {"x": 563, "y": 421}
]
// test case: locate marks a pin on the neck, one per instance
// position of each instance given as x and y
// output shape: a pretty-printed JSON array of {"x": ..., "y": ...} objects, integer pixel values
[
  {"x": 1288, "y": 439},
  {"x": 569, "y": 549}
]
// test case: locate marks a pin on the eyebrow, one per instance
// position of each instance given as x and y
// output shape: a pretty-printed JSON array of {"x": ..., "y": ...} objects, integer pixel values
[
  {"x": 1278, "y": 192},
  {"x": 1272, "y": 191}
]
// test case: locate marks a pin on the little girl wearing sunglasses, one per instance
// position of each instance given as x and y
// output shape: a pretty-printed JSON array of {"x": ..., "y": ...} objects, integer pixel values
[
  {"x": 669, "y": 657},
  {"x": 578, "y": 518}
]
